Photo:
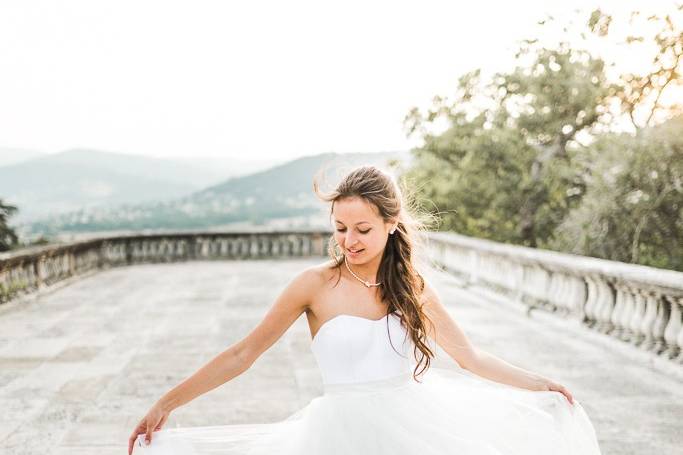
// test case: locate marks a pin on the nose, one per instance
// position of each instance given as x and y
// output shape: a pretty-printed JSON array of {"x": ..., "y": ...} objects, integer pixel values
[{"x": 350, "y": 240}]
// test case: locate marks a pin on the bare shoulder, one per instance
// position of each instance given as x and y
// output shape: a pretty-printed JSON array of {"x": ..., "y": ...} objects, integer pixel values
[
  {"x": 322, "y": 272},
  {"x": 429, "y": 294},
  {"x": 296, "y": 298},
  {"x": 313, "y": 279},
  {"x": 321, "y": 267}
]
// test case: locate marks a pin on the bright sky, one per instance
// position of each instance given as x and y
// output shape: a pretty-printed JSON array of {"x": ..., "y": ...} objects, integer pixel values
[{"x": 253, "y": 79}]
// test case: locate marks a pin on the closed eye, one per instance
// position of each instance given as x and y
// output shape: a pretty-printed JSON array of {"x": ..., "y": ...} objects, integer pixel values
[{"x": 362, "y": 232}]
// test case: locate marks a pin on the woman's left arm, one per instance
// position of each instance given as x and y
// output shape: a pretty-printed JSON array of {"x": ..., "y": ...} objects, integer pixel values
[
  {"x": 451, "y": 338},
  {"x": 496, "y": 369}
]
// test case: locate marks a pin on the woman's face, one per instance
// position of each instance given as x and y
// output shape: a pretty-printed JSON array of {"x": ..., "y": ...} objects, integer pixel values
[{"x": 360, "y": 231}]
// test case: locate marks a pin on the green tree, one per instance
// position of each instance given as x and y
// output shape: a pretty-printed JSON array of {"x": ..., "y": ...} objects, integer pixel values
[
  {"x": 633, "y": 207},
  {"x": 632, "y": 210},
  {"x": 502, "y": 168},
  {"x": 535, "y": 155},
  {"x": 8, "y": 238}
]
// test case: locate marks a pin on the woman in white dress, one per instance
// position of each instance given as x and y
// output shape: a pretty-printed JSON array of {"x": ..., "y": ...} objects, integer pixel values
[{"x": 375, "y": 324}]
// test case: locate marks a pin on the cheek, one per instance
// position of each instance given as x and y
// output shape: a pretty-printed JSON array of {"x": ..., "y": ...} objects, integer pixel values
[
  {"x": 339, "y": 238},
  {"x": 374, "y": 241}
]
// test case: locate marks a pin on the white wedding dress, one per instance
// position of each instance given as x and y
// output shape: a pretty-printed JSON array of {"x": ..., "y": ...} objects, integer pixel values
[{"x": 371, "y": 405}]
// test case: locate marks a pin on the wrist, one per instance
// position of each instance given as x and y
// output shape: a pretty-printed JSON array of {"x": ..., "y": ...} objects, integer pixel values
[
  {"x": 538, "y": 383},
  {"x": 166, "y": 404}
]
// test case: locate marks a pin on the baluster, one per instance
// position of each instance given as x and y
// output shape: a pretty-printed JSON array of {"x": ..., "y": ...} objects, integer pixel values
[
  {"x": 592, "y": 302},
  {"x": 625, "y": 319},
  {"x": 637, "y": 317},
  {"x": 679, "y": 337},
  {"x": 659, "y": 325},
  {"x": 606, "y": 305},
  {"x": 648, "y": 322},
  {"x": 619, "y": 307},
  {"x": 673, "y": 328}
]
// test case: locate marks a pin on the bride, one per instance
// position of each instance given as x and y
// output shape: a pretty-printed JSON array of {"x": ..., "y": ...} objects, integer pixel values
[{"x": 375, "y": 324}]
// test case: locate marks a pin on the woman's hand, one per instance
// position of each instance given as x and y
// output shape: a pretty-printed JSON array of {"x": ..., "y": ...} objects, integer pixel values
[
  {"x": 153, "y": 421},
  {"x": 545, "y": 384}
]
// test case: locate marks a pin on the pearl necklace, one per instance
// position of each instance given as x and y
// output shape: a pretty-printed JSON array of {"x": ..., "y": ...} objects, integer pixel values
[{"x": 365, "y": 282}]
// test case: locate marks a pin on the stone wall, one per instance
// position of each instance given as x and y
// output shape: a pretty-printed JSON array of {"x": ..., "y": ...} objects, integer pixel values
[
  {"x": 31, "y": 269},
  {"x": 636, "y": 304}
]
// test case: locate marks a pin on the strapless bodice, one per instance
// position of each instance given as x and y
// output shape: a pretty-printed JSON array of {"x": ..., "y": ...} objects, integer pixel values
[{"x": 352, "y": 349}]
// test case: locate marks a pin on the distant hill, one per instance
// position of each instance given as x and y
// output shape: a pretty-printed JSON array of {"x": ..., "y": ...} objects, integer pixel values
[
  {"x": 282, "y": 192},
  {"x": 15, "y": 155},
  {"x": 219, "y": 169},
  {"x": 53, "y": 184}
]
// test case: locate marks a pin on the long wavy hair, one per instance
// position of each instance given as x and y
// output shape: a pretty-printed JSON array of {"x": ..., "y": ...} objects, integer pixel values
[{"x": 402, "y": 285}]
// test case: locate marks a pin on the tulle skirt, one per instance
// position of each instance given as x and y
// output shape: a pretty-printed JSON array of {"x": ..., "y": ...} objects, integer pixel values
[{"x": 451, "y": 411}]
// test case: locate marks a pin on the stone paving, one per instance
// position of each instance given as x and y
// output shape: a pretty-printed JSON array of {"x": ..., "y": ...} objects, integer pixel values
[{"x": 80, "y": 365}]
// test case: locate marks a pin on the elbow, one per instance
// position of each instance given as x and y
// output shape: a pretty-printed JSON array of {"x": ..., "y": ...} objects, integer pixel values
[
  {"x": 245, "y": 356},
  {"x": 470, "y": 361}
]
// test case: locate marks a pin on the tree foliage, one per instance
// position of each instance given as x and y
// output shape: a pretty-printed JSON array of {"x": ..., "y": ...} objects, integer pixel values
[
  {"x": 633, "y": 208},
  {"x": 8, "y": 238},
  {"x": 505, "y": 154},
  {"x": 526, "y": 155}
]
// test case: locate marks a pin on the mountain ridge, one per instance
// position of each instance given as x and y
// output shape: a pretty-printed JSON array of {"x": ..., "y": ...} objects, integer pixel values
[{"x": 282, "y": 192}]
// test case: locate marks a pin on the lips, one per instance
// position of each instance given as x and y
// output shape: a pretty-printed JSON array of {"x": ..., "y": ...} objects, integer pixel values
[{"x": 355, "y": 251}]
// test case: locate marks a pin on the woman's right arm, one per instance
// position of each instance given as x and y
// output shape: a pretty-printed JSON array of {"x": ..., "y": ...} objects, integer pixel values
[
  {"x": 235, "y": 360},
  {"x": 240, "y": 356}
]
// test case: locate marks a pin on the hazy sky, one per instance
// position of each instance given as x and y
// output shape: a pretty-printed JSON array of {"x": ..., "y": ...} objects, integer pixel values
[{"x": 244, "y": 79}]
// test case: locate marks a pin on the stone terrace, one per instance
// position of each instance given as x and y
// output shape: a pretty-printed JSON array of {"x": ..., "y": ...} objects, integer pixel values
[{"x": 81, "y": 364}]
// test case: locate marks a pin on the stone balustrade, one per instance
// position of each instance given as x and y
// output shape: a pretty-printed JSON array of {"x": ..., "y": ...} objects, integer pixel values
[
  {"x": 637, "y": 304},
  {"x": 31, "y": 269}
]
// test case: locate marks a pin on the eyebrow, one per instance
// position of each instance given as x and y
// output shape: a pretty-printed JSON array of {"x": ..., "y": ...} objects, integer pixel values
[{"x": 360, "y": 222}]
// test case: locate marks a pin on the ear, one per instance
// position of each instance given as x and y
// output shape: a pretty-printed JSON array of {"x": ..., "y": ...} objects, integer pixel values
[{"x": 393, "y": 227}]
